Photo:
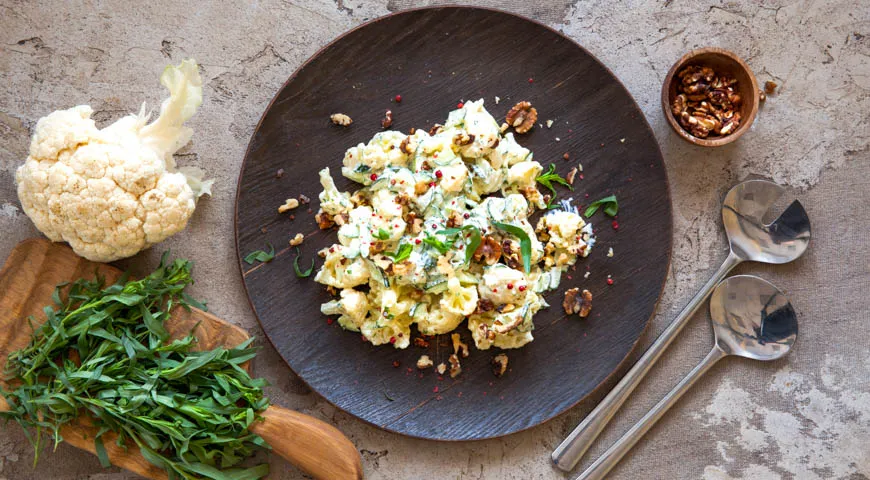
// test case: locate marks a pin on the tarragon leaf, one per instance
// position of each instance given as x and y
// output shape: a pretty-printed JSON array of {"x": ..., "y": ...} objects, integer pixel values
[
  {"x": 260, "y": 255},
  {"x": 401, "y": 254},
  {"x": 525, "y": 242},
  {"x": 299, "y": 272},
  {"x": 611, "y": 206}
]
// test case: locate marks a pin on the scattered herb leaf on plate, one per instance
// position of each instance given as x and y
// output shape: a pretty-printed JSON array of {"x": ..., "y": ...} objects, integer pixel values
[
  {"x": 611, "y": 206},
  {"x": 260, "y": 255},
  {"x": 547, "y": 180},
  {"x": 299, "y": 272}
]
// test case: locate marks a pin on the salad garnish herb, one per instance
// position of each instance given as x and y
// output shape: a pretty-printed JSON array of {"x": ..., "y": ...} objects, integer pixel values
[
  {"x": 525, "y": 242},
  {"x": 260, "y": 255},
  {"x": 611, "y": 206}
]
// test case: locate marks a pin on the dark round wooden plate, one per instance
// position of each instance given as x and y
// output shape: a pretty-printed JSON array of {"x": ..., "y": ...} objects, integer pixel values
[{"x": 435, "y": 58}]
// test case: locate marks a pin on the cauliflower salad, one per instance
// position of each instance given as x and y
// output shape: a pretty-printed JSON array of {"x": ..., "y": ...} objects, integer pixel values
[{"x": 422, "y": 242}]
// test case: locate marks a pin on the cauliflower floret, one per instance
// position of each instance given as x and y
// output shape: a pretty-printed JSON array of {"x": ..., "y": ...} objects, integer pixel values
[
  {"x": 353, "y": 308},
  {"x": 437, "y": 321},
  {"x": 453, "y": 177},
  {"x": 383, "y": 332},
  {"x": 523, "y": 174},
  {"x": 479, "y": 124},
  {"x": 458, "y": 299},
  {"x": 509, "y": 152},
  {"x": 111, "y": 193},
  {"x": 341, "y": 272},
  {"x": 384, "y": 204},
  {"x": 382, "y": 150},
  {"x": 332, "y": 201},
  {"x": 495, "y": 282},
  {"x": 569, "y": 236},
  {"x": 563, "y": 227}
]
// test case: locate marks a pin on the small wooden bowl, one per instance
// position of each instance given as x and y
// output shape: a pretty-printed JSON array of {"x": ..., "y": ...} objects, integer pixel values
[{"x": 723, "y": 62}]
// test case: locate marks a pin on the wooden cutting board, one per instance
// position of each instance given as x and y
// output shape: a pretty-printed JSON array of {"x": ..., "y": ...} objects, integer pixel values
[{"x": 27, "y": 281}]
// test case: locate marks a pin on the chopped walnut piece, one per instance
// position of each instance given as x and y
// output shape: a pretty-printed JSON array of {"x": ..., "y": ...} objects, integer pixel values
[
  {"x": 488, "y": 252},
  {"x": 407, "y": 146},
  {"x": 499, "y": 364},
  {"x": 463, "y": 139},
  {"x": 377, "y": 247},
  {"x": 522, "y": 117},
  {"x": 289, "y": 204},
  {"x": 340, "y": 119},
  {"x": 570, "y": 177},
  {"x": 420, "y": 188},
  {"x": 506, "y": 308},
  {"x": 511, "y": 254},
  {"x": 770, "y": 87},
  {"x": 455, "y": 367},
  {"x": 388, "y": 119},
  {"x": 424, "y": 362},
  {"x": 486, "y": 332},
  {"x": 421, "y": 342},
  {"x": 297, "y": 240},
  {"x": 402, "y": 268},
  {"x": 436, "y": 128},
  {"x": 459, "y": 347},
  {"x": 416, "y": 226},
  {"x": 454, "y": 219},
  {"x": 532, "y": 194},
  {"x": 341, "y": 219},
  {"x": 507, "y": 327},
  {"x": 324, "y": 220},
  {"x": 706, "y": 103},
  {"x": 483, "y": 306}
]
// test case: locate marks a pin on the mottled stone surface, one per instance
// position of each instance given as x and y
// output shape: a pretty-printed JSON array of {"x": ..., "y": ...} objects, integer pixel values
[{"x": 805, "y": 417}]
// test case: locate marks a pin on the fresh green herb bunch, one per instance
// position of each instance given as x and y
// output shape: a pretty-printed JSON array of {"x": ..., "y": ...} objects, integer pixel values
[{"x": 105, "y": 352}]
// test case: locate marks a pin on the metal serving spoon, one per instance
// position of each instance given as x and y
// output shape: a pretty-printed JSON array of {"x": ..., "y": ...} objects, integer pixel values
[
  {"x": 750, "y": 238},
  {"x": 751, "y": 318}
]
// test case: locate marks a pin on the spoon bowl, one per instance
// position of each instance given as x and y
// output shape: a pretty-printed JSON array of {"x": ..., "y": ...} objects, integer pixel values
[
  {"x": 752, "y": 318},
  {"x": 781, "y": 241}
]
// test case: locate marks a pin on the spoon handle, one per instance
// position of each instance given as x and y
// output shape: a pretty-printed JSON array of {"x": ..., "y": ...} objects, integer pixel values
[
  {"x": 571, "y": 450},
  {"x": 614, "y": 454}
]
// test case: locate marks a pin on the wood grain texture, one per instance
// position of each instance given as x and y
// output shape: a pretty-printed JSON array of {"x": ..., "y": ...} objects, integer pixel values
[
  {"x": 436, "y": 58},
  {"x": 27, "y": 281}
]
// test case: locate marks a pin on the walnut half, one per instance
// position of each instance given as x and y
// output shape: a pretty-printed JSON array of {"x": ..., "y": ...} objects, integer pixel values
[
  {"x": 522, "y": 117},
  {"x": 577, "y": 302}
]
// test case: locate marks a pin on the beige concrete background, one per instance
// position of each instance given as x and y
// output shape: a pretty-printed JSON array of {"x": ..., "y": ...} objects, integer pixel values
[{"x": 806, "y": 417}]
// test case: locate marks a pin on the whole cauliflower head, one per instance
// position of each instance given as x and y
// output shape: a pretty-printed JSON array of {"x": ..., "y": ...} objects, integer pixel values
[{"x": 113, "y": 192}]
